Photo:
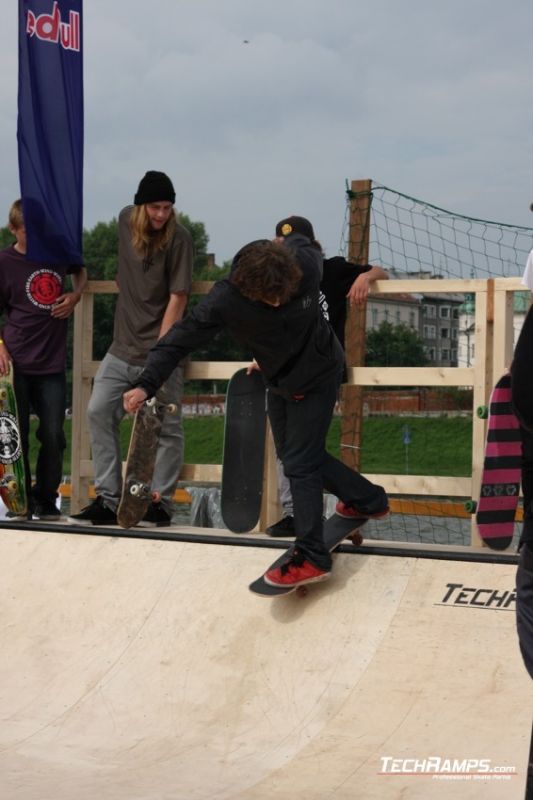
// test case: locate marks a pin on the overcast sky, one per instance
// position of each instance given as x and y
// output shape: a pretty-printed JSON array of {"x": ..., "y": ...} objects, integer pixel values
[{"x": 260, "y": 110}]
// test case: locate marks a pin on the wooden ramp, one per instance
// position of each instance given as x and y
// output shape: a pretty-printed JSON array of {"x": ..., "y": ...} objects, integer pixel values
[{"x": 146, "y": 670}]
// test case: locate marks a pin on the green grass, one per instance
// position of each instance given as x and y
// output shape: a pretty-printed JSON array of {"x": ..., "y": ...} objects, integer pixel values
[
  {"x": 203, "y": 439},
  {"x": 439, "y": 446}
]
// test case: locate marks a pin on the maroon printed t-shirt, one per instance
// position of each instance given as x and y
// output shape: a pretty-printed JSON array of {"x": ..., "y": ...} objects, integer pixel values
[{"x": 36, "y": 341}]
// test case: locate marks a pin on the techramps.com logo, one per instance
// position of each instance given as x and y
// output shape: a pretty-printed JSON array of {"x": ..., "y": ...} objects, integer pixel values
[
  {"x": 489, "y": 598},
  {"x": 448, "y": 769}
]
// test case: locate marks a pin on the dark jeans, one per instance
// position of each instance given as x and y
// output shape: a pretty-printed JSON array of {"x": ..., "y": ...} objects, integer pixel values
[
  {"x": 524, "y": 606},
  {"x": 527, "y": 471},
  {"x": 45, "y": 395},
  {"x": 299, "y": 428}
]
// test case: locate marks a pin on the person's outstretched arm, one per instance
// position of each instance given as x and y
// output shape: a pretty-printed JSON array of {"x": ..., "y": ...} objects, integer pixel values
[{"x": 359, "y": 289}]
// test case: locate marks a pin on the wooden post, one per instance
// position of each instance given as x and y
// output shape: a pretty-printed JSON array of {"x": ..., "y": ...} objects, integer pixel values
[
  {"x": 481, "y": 391},
  {"x": 352, "y": 396},
  {"x": 270, "y": 506},
  {"x": 81, "y": 393},
  {"x": 503, "y": 332}
]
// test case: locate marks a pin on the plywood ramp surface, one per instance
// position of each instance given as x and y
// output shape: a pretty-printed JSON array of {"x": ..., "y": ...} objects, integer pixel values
[{"x": 145, "y": 670}]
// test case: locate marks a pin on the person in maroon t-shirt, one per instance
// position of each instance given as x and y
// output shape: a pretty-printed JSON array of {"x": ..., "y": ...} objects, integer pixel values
[{"x": 34, "y": 309}]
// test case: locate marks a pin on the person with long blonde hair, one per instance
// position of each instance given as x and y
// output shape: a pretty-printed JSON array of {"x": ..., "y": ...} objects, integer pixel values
[{"x": 155, "y": 257}]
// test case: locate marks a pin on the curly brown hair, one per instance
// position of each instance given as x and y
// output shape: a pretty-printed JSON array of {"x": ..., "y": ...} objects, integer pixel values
[{"x": 266, "y": 271}]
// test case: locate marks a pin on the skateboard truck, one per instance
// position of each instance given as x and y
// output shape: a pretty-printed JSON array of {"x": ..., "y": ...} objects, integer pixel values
[
  {"x": 9, "y": 483},
  {"x": 144, "y": 491},
  {"x": 141, "y": 490},
  {"x": 153, "y": 404}
]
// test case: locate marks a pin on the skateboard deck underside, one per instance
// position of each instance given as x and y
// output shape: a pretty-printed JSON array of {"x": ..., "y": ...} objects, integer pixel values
[
  {"x": 244, "y": 452},
  {"x": 140, "y": 464},
  {"x": 500, "y": 483},
  {"x": 336, "y": 529},
  {"x": 12, "y": 473}
]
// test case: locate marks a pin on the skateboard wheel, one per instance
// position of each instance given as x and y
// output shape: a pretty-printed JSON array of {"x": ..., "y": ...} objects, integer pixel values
[
  {"x": 139, "y": 490},
  {"x": 482, "y": 412},
  {"x": 470, "y": 506},
  {"x": 172, "y": 408},
  {"x": 151, "y": 402}
]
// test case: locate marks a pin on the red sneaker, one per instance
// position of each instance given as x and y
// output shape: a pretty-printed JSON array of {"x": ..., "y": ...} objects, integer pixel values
[
  {"x": 295, "y": 572},
  {"x": 350, "y": 512}
]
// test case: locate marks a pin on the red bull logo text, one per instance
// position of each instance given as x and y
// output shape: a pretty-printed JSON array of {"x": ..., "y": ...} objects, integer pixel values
[{"x": 50, "y": 28}]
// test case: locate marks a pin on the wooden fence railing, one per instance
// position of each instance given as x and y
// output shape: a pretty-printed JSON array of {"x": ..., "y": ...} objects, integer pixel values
[{"x": 493, "y": 339}]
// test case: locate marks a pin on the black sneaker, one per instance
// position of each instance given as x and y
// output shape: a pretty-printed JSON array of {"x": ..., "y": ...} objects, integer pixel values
[
  {"x": 155, "y": 517},
  {"x": 283, "y": 527},
  {"x": 47, "y": 512},
  {"x": 96, "y": 513}
]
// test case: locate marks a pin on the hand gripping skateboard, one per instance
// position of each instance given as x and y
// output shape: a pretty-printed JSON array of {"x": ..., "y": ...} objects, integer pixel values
[
  {"x": 336, "y": 529},
  {"x": 12, "y": 473},
  {"x": 244, "y": 451},
  {"x": 137, "y": 491},
  {"x": 500, "y": 482}
]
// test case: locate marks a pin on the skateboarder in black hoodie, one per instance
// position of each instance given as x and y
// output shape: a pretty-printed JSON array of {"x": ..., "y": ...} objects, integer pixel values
[{"x": 270, "y": 302}]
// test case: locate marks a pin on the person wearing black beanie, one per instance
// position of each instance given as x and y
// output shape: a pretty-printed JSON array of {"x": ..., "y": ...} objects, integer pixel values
[
  {"x": 155, "y": 187},
  {"x": 155, "y": 256}
]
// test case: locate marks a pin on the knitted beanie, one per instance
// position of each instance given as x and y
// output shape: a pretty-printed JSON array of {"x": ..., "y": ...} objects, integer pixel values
[{"x": 155, "y": 187}]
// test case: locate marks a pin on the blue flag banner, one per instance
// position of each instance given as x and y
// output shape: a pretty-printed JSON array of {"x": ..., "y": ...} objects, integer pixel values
[{"x": 50, "y": 128}]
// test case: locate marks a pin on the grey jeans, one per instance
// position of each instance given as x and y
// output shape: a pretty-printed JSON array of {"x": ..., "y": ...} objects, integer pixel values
[{"x": 105, "y": 413}]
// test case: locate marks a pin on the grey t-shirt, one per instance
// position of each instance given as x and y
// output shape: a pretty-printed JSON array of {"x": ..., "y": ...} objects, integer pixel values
[{"x": 145, "y": 286}]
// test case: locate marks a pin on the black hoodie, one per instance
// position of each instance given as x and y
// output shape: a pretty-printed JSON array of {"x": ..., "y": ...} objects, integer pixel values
[{"x": 293, "y": 344}]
